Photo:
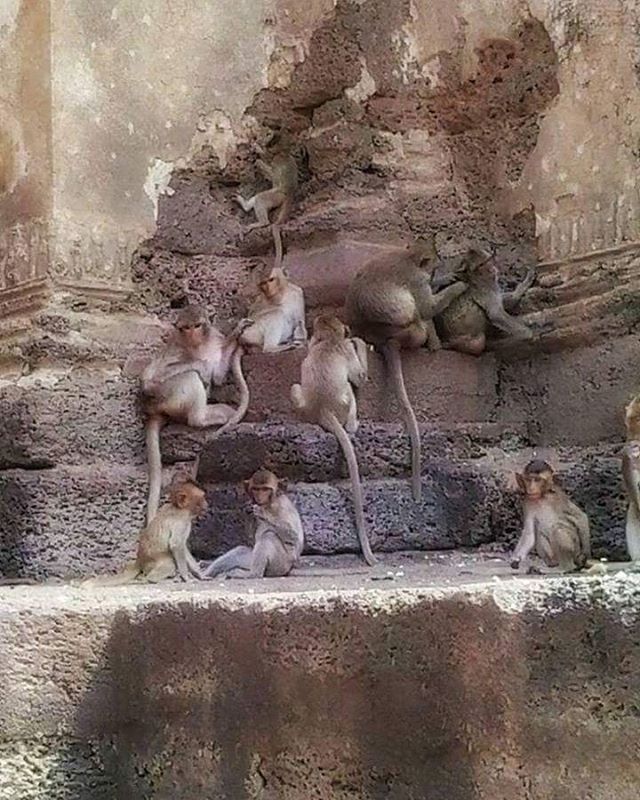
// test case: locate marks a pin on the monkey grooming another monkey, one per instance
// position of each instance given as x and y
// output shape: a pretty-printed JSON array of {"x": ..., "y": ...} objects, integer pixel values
[
  {"x": 553, "y": 524},
  {"x": 391, "y": 305},
  {"x": 163, "y": 550},
  {"x": 465, "y": 322},
  {"x": 276, "y": 319},
  {"x": 279, "y": 537},
  {"x": 283, "y": 174},
  {"x": 175, "y": 386},
  {"x": 631, "y": 476},
  {"x": 334, "y": 365}
]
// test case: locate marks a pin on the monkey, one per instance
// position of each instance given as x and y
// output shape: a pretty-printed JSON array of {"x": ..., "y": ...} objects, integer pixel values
[
  {"x": 391, "y": 305},
  {"x": 162, "y": 547},
  {"x": 333, "y": 366},
  {"x": 464, "y": 324},
  {"x": 276, "y": 319},
  {"x": 176, "y": 385},
  {"x": 631, "y": 477},
  {"x": 553, "y": 524},
  {"x": 283, "y": 174},
  {"x": 278, "y": 539}
]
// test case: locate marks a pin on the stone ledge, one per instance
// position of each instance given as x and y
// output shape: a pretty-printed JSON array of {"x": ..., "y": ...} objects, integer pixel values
[{"x": 412, "y": 691}]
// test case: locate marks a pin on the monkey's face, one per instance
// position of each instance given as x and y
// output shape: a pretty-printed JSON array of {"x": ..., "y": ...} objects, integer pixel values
[
  {"x": 269, "y": 287},
  {"x": 261, "y": 495},
  {"x": 535, "y": 484},
  {"x": 190, "y": 497},
  {"x": 632, "y": 414},
  {"x": 192, "y": 334}
]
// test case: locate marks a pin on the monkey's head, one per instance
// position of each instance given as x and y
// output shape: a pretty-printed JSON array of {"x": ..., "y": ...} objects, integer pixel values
[
  {"x": 425, "y": 253},
  {"x": 262, "y": 487},
  {"x": 478, "y": 264},
  {"x": 273, "y": 285},
  {"x": 327, "y": 327},
  {"x": 189, "y": 496},
  {"x": 192, "y": 325},
  {"x": 632, "y": 417},
  {"x": 536, "y": 480}
]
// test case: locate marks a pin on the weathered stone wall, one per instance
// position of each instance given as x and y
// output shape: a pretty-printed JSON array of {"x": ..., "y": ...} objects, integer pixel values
[{"x": 495, "y": 692}]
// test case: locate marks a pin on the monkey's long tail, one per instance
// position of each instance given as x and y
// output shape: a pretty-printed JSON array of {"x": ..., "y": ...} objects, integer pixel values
[
  {"x": 243, "y": 403},
  {"x": 154, "y": 462},
  {"x": 128, "y": 575},
  {"x": 391, "y": 352},
  {"x": 277, "y": 241},
  {"x": 329, "y": 421}
]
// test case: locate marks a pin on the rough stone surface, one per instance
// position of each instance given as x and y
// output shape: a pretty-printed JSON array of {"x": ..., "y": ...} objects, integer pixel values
[{"x": 446, "y": 692}]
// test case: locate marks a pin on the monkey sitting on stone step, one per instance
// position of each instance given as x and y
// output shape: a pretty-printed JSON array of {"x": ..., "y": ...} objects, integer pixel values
[
  {"x": 276, "y": 318},
  {"x": 391, "y": 305},
  {"x": 464, "y": 323},
  {"x": 176, "y": 384},
  {"x": 163, "y": 547},
  {"x": 278, "y": 538},
  {"x": 553, "y": 525},
  {"x": 283, "y": 174},
  {"x": 334, "y": 365}
]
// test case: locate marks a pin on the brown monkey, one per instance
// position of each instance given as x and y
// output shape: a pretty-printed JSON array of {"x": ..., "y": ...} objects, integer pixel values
[
  {"x": 332, "y": 367},
  {"x": 162, "y": 548},
  {"x": 276, "y": 318},
  {"x": 553, "y": 524},
  {"x": 631, "y": 476},
  {"x": 390, "y": 304},
  {"x": 463, "y": 325},
  {"x": 176, "y": 386},
  {"x": 283, "y": 174},
  {"x": 279, "y": 537}
]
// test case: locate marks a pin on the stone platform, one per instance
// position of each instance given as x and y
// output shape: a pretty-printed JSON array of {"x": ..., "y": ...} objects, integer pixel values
[{"x": 435, "y": 676}]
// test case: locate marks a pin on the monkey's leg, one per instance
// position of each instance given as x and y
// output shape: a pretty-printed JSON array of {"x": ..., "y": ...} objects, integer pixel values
[
  {"x": 508, "y": 324},
  {"x": 263, "y": 203},
  {"x": 632, "y": 532},
  {"x": 193, "y": 565},
  {"x": 512, "y": 299},
  {"x": 247, "y": 205},
  {"x": 163, "y": 568},
  {"x": 300, "y": 335},
  {"x": 473, "y": 345},
  {"x": 351, "y": 425},
  {"x": 203, "y": 414},
  {"x": 297, "y": 397},
  {"x": 238, "y": 558}
]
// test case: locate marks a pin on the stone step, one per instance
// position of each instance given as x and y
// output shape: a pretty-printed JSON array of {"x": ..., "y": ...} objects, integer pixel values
[
  {"x": 322, "y": 683},
  {"x": 306, "y": 452},
  {"x": 79, "y": 520}
]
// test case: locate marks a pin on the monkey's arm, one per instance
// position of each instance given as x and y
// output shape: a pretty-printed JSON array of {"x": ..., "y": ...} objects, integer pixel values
[
  {"x": 512, "y": 299},
  {"x": 358, "y": 365},
  {"x": 265, "y": 169},
  {"x": 526, "y": 542},
  {"x": 444, "y": 298},
  {"x": 630, "y": 478},
  {"x": 178, "y": 548}
]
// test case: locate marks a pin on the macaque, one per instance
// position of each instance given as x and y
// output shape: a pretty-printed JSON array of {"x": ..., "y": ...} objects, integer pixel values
[
  {"x": 276, "y": 319},
  {"x": 283, "y": 174},
  {"x": 391, "y": 305},
  {"x": 162, "y": 548},
  {"x": 334, "y": 365},
  {"x": 278, "y": 538},
  {"x": 465, "y": 322},
  {"x": 631, "y": 476},
  {"x": 553, "y": 525},
  {"x": 175, "y": 386}
]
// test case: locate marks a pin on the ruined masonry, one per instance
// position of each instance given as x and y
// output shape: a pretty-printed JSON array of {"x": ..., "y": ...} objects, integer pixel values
[{"x": 126, "y": 129}]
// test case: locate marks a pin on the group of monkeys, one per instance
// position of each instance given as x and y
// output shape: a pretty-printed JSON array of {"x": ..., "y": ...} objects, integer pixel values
[{"x": 391, "y": 305}]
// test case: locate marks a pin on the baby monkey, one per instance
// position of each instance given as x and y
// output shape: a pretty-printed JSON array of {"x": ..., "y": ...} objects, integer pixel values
[
  {"x": 553, "y": 524},
  {"x": 283, "y": 174},
  {"x": 276, "y": 318},
  {"x": 278, "y": 538},
  {"x": 334, "y": 365},
  {"x": 163, "y": 550}
]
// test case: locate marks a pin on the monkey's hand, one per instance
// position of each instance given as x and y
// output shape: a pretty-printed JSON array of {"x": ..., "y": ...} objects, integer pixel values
[
  {"x": 242, "y": 325},
  {"x": 458, "y": 288}
]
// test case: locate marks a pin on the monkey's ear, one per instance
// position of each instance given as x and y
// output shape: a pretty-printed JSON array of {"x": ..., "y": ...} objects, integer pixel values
[
  {"x": 247, "y": 486},
  {"x": 283, "y": 484},
  {"x": 180, "y": 498},
  {"x": 522, "y": 484}
]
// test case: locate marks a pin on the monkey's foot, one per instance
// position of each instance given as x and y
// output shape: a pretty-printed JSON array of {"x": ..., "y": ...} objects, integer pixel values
[{"x": 515, "y": 564}]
